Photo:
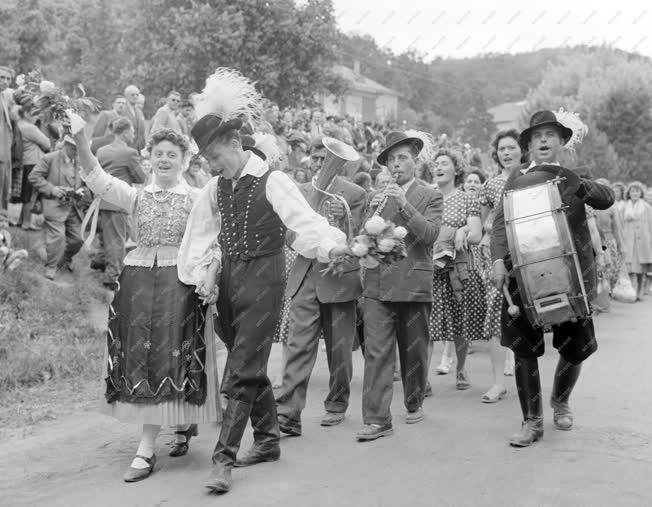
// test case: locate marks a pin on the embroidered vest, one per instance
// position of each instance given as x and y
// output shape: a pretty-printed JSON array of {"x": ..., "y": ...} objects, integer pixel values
[{"x": 250, "y": 226}]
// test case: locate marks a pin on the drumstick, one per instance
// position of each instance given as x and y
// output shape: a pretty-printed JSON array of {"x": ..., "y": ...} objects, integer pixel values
[{"x": 512, "y": 309}]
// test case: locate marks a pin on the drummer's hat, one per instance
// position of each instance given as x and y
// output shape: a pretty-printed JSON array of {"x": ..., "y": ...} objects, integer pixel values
[
  {"x": 541, "y": 119},
  {"x": 395, "y": 139}
]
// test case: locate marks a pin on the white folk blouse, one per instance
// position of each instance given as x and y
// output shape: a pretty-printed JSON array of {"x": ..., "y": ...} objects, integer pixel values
[{"x": 161, "y": 219}]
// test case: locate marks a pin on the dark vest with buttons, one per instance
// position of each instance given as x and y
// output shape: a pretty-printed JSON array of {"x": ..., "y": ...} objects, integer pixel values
[{"x": 250, "y": 226}]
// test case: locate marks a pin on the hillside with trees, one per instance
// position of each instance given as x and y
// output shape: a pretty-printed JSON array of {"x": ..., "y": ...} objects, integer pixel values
[{"x": 173, "y": 44}]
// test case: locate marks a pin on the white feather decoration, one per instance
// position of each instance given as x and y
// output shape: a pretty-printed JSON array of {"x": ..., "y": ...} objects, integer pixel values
[
  {"x": 429, "y": 149},
  {"x": 268, "y": 145},
  {"x": 230, "y": 95},
  {"x": 572, "y": 121}
]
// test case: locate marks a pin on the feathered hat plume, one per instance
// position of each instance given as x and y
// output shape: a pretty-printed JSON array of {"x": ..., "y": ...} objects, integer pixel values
[
  {"x": 268, "y": 145},
  {"x": 429, "y": 148},
  {"x": 573, "y": 122},
  {"x": 229, "y": 95}
]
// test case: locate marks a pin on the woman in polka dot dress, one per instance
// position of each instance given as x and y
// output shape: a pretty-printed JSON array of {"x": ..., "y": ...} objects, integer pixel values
[
  {"x": 281, "y": 333},
  {"x": 507, "y": 154},
  {"x": 457, "y": 316}
]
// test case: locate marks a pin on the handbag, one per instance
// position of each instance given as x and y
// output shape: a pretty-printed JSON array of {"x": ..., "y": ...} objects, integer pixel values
[{"x": 623, "y": 291}]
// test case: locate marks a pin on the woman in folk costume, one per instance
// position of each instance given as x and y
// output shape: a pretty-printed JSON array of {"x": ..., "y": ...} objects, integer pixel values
[
  {"x": 637, "y": 216},
  {"x": 250, "y": 207},
  {"x": 161, "y": 364}
]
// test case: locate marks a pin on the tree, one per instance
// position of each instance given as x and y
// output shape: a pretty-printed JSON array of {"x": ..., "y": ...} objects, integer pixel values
[
  {"x": 612, "y": 91},
  {"x": 478, "y": 126},
  {"x": 290, "y": 54},
  {"x": 24, "y": 38}
]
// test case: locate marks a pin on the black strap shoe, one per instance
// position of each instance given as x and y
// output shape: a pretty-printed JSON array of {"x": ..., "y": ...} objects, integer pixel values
[{"x": 181, "y": 448}]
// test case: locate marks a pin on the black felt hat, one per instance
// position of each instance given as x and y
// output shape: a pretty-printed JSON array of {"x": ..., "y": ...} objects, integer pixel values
[
  {"x": 210, "y": 127},
  {"x": 249, "y": 144},
  {"x": 541, "y": 119},
  {"x": 395, "y": 139}
]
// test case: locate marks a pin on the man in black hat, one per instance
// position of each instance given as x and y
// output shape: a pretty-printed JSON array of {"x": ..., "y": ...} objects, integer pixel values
[
  {"x": 254, "y": 206},
  {"x": 544, "y": 140},
  {"x": 322, "y": 303},
  {"x": 398, "y": 297}
]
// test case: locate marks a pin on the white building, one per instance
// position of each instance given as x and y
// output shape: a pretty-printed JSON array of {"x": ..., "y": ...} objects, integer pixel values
[
  {"x": 364, "y": 100},
  {"x": 506, "y": 116}
]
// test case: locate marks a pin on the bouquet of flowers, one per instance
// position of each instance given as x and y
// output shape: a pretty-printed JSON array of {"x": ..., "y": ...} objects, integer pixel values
[
  {"x": 51, "y": 102},
  {"x": 381, "y": 242}
]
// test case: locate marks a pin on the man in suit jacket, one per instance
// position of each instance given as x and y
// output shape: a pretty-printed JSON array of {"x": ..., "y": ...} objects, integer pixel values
[
  {"x": 106, "y": 118},
  {"x": 6, "y": 136},
  {"x": 166, "y": 116},
  {"x": 136, "y": 117},
  {"x": 398, "y": 297},
  {"x": 322, "y": 304},
  {"x": 120, "y": 160},
  {"x": 544, "y": 140},
  {"x": 55, "y": 176}
]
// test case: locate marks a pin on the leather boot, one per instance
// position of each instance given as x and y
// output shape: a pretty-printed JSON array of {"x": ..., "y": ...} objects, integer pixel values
[
  {"x": 220, "y": 479},
  {"x": 566, "y": 376},
  {"x": 234, "y": 423},
  {"x": 264, "y": 422},
  {"x": 528, "y": 384}
]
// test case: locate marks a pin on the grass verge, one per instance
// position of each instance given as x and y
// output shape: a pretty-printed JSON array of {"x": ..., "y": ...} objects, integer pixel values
[{"x": 50, "y": 337}]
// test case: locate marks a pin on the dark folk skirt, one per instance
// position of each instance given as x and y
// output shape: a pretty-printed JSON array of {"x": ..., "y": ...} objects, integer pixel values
[{"x": 156, "y": 349}]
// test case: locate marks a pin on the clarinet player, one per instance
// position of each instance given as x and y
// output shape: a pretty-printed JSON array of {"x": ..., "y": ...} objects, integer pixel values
[{"x": 397, "y": 297}]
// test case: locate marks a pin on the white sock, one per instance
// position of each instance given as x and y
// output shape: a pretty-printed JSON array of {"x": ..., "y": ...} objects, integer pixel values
[
  {"x": 146, "y": 447},
  {"x": 181, "y": 439}
]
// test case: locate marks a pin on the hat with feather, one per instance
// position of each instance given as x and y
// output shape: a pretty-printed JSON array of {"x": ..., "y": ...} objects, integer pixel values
[{"x": 228, "y": 101}]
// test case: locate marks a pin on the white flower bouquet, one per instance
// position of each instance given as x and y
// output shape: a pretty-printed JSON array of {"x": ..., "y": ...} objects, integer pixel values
[{"x": 381, "y": 242}]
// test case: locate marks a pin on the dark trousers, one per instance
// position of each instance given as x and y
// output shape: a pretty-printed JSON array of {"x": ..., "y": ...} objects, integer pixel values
[
  {"x": 249, "y": 306},
  {"x": 575, "y": 341},
  {"x": 62, "y": 238},
  {"x": 308, "y": 318},
  {"x": 115, "y": 225},
  {"x": 385, "y": 324}
]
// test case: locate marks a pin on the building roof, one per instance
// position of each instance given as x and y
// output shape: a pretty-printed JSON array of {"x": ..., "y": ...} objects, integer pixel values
[
  {"x": 363, "y": 84},
  {"x": 507, "y": 112}
]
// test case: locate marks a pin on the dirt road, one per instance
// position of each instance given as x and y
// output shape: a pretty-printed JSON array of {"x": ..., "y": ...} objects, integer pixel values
[{"x": 457, "y": 456}]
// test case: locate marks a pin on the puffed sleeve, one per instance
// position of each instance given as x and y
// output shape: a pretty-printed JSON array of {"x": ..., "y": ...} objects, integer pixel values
[
  {"x": 314, "y": 237},
  {"x": 200, "y": 246},
  {"x": 112, "y": 190},
  {"x": 472, "y": 206}
]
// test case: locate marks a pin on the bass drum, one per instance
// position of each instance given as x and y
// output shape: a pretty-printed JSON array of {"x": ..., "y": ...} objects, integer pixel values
[{"x": 545, "y": 261}]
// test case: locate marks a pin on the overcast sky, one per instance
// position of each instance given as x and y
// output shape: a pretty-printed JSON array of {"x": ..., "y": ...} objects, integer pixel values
[{"x": 465, "y": 28}]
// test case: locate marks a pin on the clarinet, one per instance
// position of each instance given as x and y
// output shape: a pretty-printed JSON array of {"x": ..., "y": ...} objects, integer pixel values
[{"x": 383, "y": 203}]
